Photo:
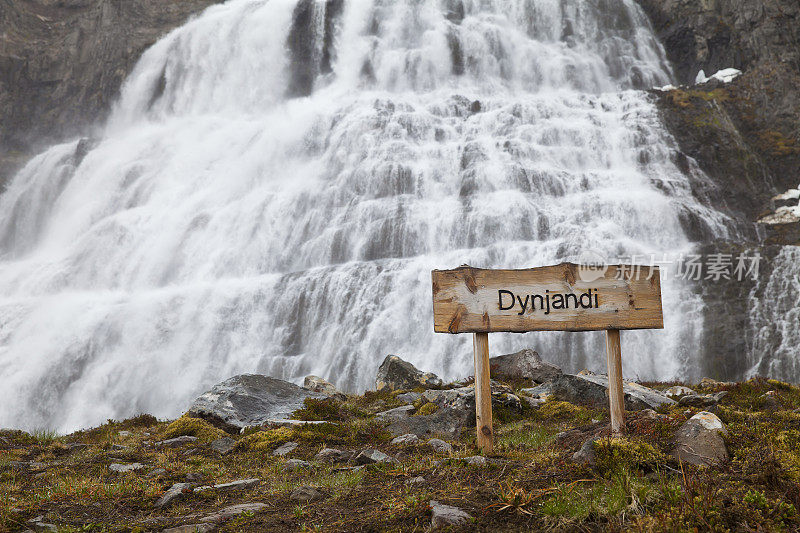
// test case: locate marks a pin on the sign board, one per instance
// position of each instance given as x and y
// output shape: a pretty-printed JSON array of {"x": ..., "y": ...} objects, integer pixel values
[{"x": 565, "y": 297}]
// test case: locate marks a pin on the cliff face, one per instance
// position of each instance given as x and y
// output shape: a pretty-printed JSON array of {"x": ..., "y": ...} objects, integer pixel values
[
  {"x": 62, "y": 63},
  {"x": 745, "y": 135}
]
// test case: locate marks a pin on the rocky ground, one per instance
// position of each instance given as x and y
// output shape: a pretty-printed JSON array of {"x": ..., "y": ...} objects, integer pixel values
[{"x": 256, "y": 453}]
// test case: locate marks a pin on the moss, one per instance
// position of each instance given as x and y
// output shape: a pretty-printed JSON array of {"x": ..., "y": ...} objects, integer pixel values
[
  {"x": 427, "y": 409},
  {"x": 617, "y": 453},
  {"x": 562, "y": 410},
  {"x": 320, "y": 409},
  {"x": 265, "y": 441},
  {"x": 193, "y": 427}
]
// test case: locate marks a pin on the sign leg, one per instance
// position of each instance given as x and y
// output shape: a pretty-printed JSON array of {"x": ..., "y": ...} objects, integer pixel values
[
  {"x": 483, "y": 393},
  {"x": 615, "y": 393}
]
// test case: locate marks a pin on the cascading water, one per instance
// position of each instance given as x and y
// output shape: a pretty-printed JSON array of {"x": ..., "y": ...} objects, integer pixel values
[{"x": 279, "y": 178}]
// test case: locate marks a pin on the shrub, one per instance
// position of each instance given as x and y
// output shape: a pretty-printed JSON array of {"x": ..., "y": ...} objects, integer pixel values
[{"x": 616, "y": 453}]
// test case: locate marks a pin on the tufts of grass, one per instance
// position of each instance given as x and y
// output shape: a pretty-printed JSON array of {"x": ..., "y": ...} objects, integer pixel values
[
  {"x": 427, "y": 409},
  {"x": 193, "y": 427},
  {"x": 616, "y": 453}
]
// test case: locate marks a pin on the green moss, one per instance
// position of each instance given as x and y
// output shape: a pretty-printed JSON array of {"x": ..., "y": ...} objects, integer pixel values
[
  {"x": 562, "y": 410},
  {"x": 193, "y": 427},
  {"x": 427, "y": 409},
  {"x": 265, "y": 441},
  {"x": 320, "y": 409},
  {"x": 617, "y": 453}
]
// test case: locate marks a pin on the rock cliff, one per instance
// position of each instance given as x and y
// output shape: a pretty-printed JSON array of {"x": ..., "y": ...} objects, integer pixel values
[{"x": 62, "y": 63}]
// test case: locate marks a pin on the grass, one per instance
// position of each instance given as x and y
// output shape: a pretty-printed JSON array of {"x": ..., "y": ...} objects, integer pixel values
[{"x": 530, "y": 483}]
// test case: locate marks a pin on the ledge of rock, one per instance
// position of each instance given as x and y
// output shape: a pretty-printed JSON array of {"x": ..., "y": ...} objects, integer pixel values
[
  {"x": 250, "y": 400},
  {"x": 395, "y": 373},
  {"x": 589, "y": 388}
]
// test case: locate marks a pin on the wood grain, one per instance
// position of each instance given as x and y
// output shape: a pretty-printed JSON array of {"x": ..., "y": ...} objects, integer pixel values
[
  {"x": 615, "y": 392},
  {"x": 467, "y": 300},
  {"x": 483, "y": 393}
]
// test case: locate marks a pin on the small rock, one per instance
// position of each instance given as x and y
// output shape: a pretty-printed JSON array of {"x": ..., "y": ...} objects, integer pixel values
[
  {"x": 124, "y": 433},
  {"x": 408, "y": 397},
  {"x": 699, "y": 440},
  {"x": 586, "y": 452},
  {"x": 394, "y": 373},
  {"x": 156, "y": 472},
  {"x": 194, "y": 477},
  {"x": 332, "y": 456},
  {"x": 285, "y": 449},
  {"x": 318, "y": 384},
  {"x": 176, "y": 442},
  {"x": 419, "y": 480},
  {"x": 223, "y": 446},
  {"x": 118, "y": 447},
  {"x": 407, "y": 439},
  {"x": 38, "y": 524},
  {"x": 306, "y": 494},
  {"x": 525, "y": 364},
  {"x": 293, "y": 465},
  {"x": 398, "y": 413},
  {"x": 677, "y": 391},
  {"x": 475, "y": 460},
  {"x": 372, "y": 456},
  {"x": 234, "y": 510},
  {"x": 241, "y": 484},
  {"x": 446, "y": 515},
  {"x": 440, "y": 446},
  {"x": 121, "y": 468},
  {"x": 177, "y": 491},
  {"x": 532, "y": 402},
  {"x": 540, "y": 392}
]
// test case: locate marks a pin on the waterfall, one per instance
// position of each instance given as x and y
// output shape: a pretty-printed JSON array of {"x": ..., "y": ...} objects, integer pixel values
[{"x": 279, "y": 177}]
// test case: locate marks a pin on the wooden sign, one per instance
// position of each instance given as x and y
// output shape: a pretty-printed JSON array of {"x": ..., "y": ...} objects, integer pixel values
[{"x": 565, "y": 297}]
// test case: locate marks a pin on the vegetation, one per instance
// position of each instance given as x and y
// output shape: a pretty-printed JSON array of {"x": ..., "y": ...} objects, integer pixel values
[{"x": 531, "y": 482}]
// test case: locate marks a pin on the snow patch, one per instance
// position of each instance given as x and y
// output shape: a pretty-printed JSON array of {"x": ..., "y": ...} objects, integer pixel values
[{"x": 726, "y": 75}]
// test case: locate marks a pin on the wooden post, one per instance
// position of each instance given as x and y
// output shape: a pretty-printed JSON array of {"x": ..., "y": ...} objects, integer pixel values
[
  {"x": 483, "y": 393},
  {"x": 615, "y": 394}
]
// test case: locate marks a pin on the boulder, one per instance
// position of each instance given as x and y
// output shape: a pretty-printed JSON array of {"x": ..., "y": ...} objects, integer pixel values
[
  {"x": 320, "y": 385},
  {"x": 408, "y": 397},
  {"x": 223, "y": 446},
  {"x": 446, "y": 422},
  {"x": 677, "y": 391},
  {"x": 447, "y": 516},
  {"x": 332, "y": 455},
  {"x": 699, "y": 440},
  {"x": 407, "y": 439},
  {"x": 440, "y": 446},
  {"x": 525, "y": 364},
  {"x": 398, "y": 413},
  {"x": 394, "y": 373},
  {"x": 589, "y": 388},
  {"x": 306, "y": 494},
  {"x": 250, "y": 400},
  {"x": 372, "y": 456},
  {"x": 285, "y": 449}
]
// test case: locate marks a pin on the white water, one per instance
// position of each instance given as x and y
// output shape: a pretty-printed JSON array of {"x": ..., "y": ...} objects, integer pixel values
[{"x": 221, "y": 224}]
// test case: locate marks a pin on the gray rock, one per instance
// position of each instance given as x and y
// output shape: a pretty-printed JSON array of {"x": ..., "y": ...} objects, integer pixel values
[
  {"x": 532, "y": 402},
  {"x": 156, "y": 472},
  {"x": 697, "y": 400},
  {"x": 440, "y": 446},
  {"x": 241, "y": 484},
  {"x": 676, "y": 391},
  {"x": 176, "y": 492},
  {"x": 407, "y": 439},
  {"x": 592, "y": 388},
  {"x": 586, "y": 452},
  {"x": 475, "y": 460},
  {"x": 285, "y": 449},
  {"x": 306, "y": 494},
  {"x": 234, "y": 510},
  {"x": 121, "y": 468},
  {"x": 332, "y": 456},
  {"x": 525, "y": 364},
  {"x": 194, "y": 477},
  {"x": 446, "y": 516},
  {"x": 699, "y": 440},
  {"x": 398, "y": 413},
  {"x": 223, "y": 445},
  {"x": 445, "y": 422},
  {"x": 419, "y": 480},
  {"x": 394, "y": 373},
  {"x": 322, "y": 386},
  {"x": 191, "y": 528},
  {"x": 176, "y": 442},
  {"x": 372, "y": 456},
  {"x": 408, "y": 397},
  {"x": 38, "y": 524},
  {"x": 539, "y": 392},
  {"x": 250, "y": 400},
  {"x": 294, "y": 465}
]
